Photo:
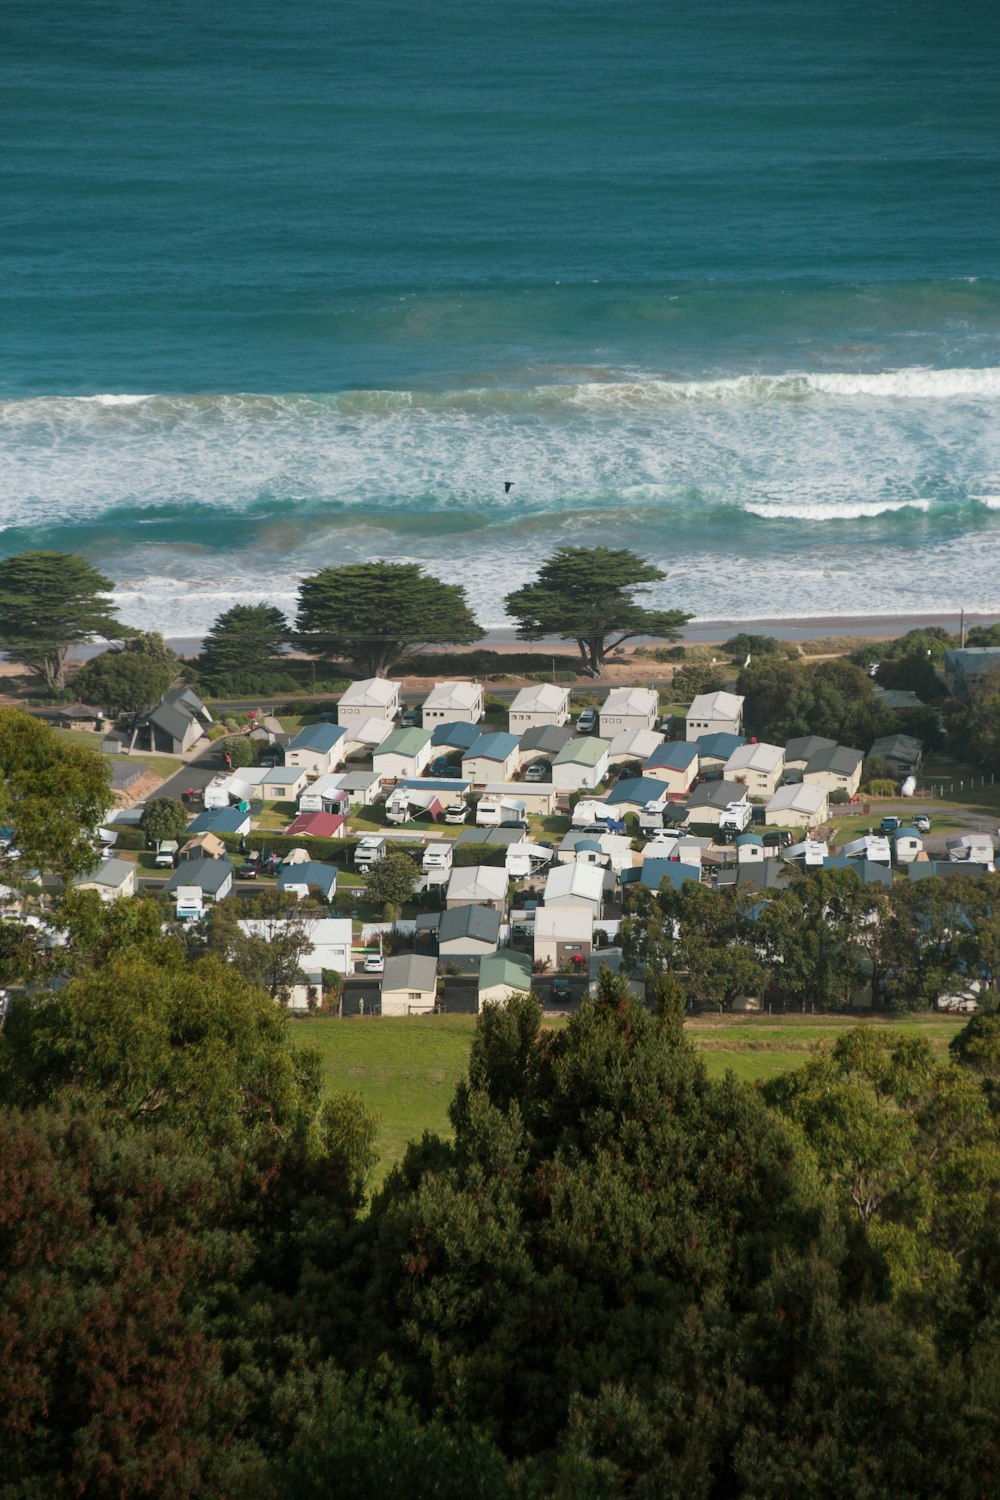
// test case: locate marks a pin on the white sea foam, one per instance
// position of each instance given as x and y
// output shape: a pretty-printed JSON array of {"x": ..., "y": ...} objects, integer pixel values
[{"x": 840, "y": 511}]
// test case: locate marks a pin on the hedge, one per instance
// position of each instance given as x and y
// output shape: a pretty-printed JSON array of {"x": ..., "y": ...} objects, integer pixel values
[
  {"x": 479, "y": 854},
  {"x": 327, "y": 851}
]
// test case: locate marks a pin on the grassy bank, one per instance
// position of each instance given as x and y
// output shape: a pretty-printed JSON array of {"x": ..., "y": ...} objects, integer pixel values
[{"x": 406, "y": 1070}]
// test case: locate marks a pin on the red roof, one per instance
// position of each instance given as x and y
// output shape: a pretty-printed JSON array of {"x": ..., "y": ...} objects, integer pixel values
[{"x": 322, "y": 825}]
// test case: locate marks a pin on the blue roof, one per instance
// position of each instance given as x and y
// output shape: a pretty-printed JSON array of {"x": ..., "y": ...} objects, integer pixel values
[
  {"x": 908, "y": 833},
  {"x": 460, "y": 734},
  {"x": 656, "y": 870},
  {"x": 219, "y": 820},
  {"x": 638, "y": 789},
  {"x": 590, "y": 844},
  {"x": 321, "y": 737},
  {"x": 720, "y": 745},
  {"x": 749, "y": 838},
  {"x": 430, "y": 784},
  {"x": 678, "y": 754},
  {"x": 310, "y": 872},
  {"x": 869, "y": 871},
  {"x": 496, "y": 746}
]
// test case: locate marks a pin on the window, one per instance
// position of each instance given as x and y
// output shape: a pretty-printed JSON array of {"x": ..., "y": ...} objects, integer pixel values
[{"x": 414, "y": 995}]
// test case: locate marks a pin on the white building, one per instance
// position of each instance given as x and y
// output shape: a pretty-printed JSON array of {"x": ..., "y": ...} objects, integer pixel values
[
  {"x": 581, "y": 765},
  {"x": 329, "y": 940},
  {"x": 563, "y": 936},
  {"x": 628, "y": 708},
  {"x": 634, "y": 744},
  {"x": 451, "y": 701},
  {"x": 714, "y": 713},
  {"x": 542, "y": 703},
  {"x": 374, "y": 698},
  {"x": 403, "y": 755},
  {"x": 409, "y": 985},
  {"x": 480, "y": 885},
  {"x": 798, "y": 807},
  {"x": 760, "y": 766},
  {"x": 575, "y": 885}
]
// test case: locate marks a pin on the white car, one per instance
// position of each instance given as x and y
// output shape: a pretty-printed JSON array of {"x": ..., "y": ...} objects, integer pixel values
[
  {"x": 456, "y": 812},
  {"x": 374, "y": 964},
  {"x": 539, "y": 771}
]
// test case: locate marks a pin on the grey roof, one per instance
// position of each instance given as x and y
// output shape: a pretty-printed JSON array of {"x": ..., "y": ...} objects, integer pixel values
[
  {"x": 870, "y": 871},
  {"x": 125, "y": 774},
  {"x": 479, "y": 922},
  {"x": 309, "y": 872},
  {"x": 501, "y": 837},
  {"x": 898, "y": 747},
  {"x": 318, "y": 737},
  {"x": 209, "y": 874},
  {"x": 548, "y": 738},
  {"x": 840, "y": 760},
  {"x": 111, "y": 873},
  {"x": 185, "y": 698},
  {"x": 920, "y": 869},
  {"x": 716, "y": 794},
  {"x": 358, "y": 781},
  {"x": 173, "y": 721},
  {"x": 410, "y": 971},
  {"x": 806, "y": 746}
]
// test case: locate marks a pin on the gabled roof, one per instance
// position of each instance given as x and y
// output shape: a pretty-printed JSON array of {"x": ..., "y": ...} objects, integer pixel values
[
  {"x": 505, "y": 967},
  {"x": 806, "y": 746},
  {"x": 799, "y": 797},
  {"x": 219, "y": 820},
  {"x": 209, "y": 875},
  {"x": 678, "y": 755},
  {"x": 838, "y": 760},
  {"x": 480, "y": 923},
  {"x": 498, "y": 837},
  {"x": 496, "y": 746},
  {"x": 548, "y": 738},
  {"x": 638, "y": 790},
  {"x": 716, "y": 706},
  {"x": 172, "y": 720},
  {"x": 869, "y": 871},
  {"x": 478, "y": 882},
  {"x": 321, "y": 825},
  {"x": 928, "y": 869},
  {"x": 654, "y": 871},
  {"x": 111, "y": 873},
  {"x": 636, "y": 744},
  {"x": 584, "y": 881},
  {"x": 630, "y": 701},
  {"x": 570, "y": 924},
  {"x": 756, "y": 757},
  {"x": 716, "y": 794},
  {"x": 458, "y": 735},
  {"x": 410, "y": 971},
  {"x": 457, "y": 695},
  {"x": 309, "y": 872},
  {"x": 404, "y": 742},
  {"x": 541, "y": 698},
  {"x": 582, "y": 750},
  {"x": 718, "y": 746},
  {"x": 898, "y": 747},
  {"x": 374, "y": 692},
  {"x": 318, "y": 737}
]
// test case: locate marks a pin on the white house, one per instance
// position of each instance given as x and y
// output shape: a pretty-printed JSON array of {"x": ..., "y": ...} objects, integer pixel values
[
  {"x": 798, "y": 806},
  {"x": 374, "y": 698},
  {"x": 750, "y": 849},
  {"x": 907, "y": 845},
  {"x": 835, "y": 770},
  {"x": 563, "y": 936},
  {"x": 113, "y": 878},
  {"x": 403, "y": 755},
  {"x": 502, "y": 975},
  {"x": 449, "y": 701},
  {"x": 329, "y": 940},
  {"x": 575, "y": 885},
  {"x": 366, "y": 735},
  {"x": 537, "y": 796},
  {"x": 628, "y": 708},
  {"x": 714, "y": 713},
  {"x": 317, "y": 748},
  {"x": 212, "y": 877},
  {"x": 581, "y": 764},
  {"x": 634, "y": 744},
  {"x": 468, "y": 932},
  {"x": 283, "y": 783},
  {"x": 760, "y": 766},
  {"x": 493, "y": 757},
  {"x": 409, "y": 985},
  {"x": 482, "y": 885},
  {"x": 542, "y": 703}
]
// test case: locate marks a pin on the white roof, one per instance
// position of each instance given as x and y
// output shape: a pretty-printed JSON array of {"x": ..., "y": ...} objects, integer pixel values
[
  {"x": 630, "y": 700},
  {"x": 542, "y": 697},
  {"x": 323, "y": 933},
  {"x": 758, "y": 757},
  {"x": 572, "y": 925},
  {"x": 478, "y": 883},
  {"x": 331, "y": 781},
  {"x": 716, "y": 706},
  {"x": 370, "y": 731},
  {"x": 581, "y": 880},
  {"x": 454, "y": 696},
  {"x": 372, "y": 692},
  {"x": 800, "y": 798},
  {"x": 639, "y": 743}
]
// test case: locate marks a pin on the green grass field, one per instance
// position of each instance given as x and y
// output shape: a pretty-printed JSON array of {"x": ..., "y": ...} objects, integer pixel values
[{"x": 406, "y": 1069}]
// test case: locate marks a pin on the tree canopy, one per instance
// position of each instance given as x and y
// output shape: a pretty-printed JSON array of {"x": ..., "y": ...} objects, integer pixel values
[
  {"x": 52, "y": 792},
  {"x": 588, "y": 594},
  {"x": 49, "y": 602},
  {"x": 245, "y": 639},
  {"x": 163, "y": 818},
  {"x": 130, "y": 678},
  {"x": 835, "y": 699},
  {"x": 371, "y": 615}
]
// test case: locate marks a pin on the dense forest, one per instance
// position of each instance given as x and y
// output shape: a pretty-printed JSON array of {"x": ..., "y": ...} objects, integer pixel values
[{"x": 618, "y": 1278}]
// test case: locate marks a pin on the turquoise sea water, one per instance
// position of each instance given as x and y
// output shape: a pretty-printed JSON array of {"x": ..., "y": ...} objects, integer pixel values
[{"x": 284, "y": 286}]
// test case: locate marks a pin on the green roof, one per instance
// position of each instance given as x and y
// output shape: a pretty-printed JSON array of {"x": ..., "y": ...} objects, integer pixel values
[
  {"x": 404, "y": 742},
  {"x": 582, "y": 751},
  {"x": 505, "y": 968}
]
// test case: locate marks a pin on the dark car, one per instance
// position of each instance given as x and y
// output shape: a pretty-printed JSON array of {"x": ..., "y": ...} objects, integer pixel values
[
  {"x": 777, "y": 838},
  {"x": 561, "y": 991},
  {"x": 410, "y": 718},
  {"x": 248, "y": 871},
  {"x": 442, "y": 767}
]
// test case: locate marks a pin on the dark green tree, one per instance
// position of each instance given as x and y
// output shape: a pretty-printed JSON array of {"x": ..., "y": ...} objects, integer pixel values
[
  {"x": 392, "y": 881},
  {"x": 50, "y": 602},
  {"x": 241, "y": 750},
  {"x": 245, "y": 639},
  {"x": 811, "y": 934},
  {"x": 588, "y": 594},
  {"x": 371, "y": 615},
  {"x": 270, "y": 954},
  {"x": 53, "y": 793},
  {"x": 163, "y": 818},
  {"x": 130, "y": 678}
]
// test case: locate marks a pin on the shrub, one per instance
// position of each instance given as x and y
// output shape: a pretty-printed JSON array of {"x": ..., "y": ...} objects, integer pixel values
[
  {"x": 697, "y": 678},
  {"x": 839, "y": 796},
  {"x": 241, "y": 750}
]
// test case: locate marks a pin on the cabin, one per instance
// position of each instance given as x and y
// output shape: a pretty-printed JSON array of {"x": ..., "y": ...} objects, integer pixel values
[
  {"x": 373, "y": 698},
  {"x": 176, "y": 723},
  {"x": 634, "y": 744},
  {"x": 449, "y": 701},
  {"x": 212, "y": 877},
  {"x": 317, "y": 748},
  {"x": 798, "y": 806},
  {"x": 799, "y": 752},
  {"x": 902, "y": 753},
  {"x": 759, "y": 765},
  {"x": 493, "y": 757},
  {"x": 543, "y": 743},
  {"x": 543, "y": 704},
  {"x": 575, "y": 885},
  {"x": 564, "y": 937},
  {"x": 221, "y": 821},
  {"x": 503, "y": 974},
  {"x": 633, "y": 793},
  {"x": 628, "y": 708},
  {"x": 404, "y": 754},
  {"x": 714, "y": 713},
  {"x": 466, "y": 932},
  {"x": 708, "y": 802},
  {"x": 715, "y": 749},
  {"x": 676, "y": 765},
  {"x": 482, "y": 885},
  {"x": 907, "y": 845},
  {"x": 409, "y": 985},
  {"x": 283, "y": 784},
  {"x": 581, "y": 765},
  {"x": 306, "y": 877},
  {"x": 113, "y": 878},
  {"x": 835, "y": 769}
]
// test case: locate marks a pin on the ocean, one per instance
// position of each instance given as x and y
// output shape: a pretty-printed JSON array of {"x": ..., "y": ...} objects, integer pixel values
[{"x": 288, "y": 286}]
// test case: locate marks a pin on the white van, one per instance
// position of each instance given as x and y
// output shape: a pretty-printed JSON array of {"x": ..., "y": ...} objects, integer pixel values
[
  {"x": 371, "y": 848},
  {"x": 166, "y": 854}
]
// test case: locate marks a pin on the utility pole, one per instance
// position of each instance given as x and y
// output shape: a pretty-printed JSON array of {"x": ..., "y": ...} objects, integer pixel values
[{"x": 961, "y": 630}]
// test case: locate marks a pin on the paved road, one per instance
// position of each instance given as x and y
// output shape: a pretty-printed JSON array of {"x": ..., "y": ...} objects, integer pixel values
[{"x": 196, "y": 773}]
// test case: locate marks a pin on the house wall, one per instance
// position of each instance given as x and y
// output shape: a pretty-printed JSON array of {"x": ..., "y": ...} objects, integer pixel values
[
  {"x": 519, "y": 721},
  {"x": 315, "y": 762},
  {"x": 402, "y": 767},
  {"x": 560, "y": 954},
  {"x": 830, "y": 781},
  {"x": 498, "y": 993},
  {"x": 569, "y": 776},
  {"x": 481, "y": 771},
  {"x": 407, "y": 1002},
  {"x": 356, "y": 714},
  {"x": 695, "y": 728},
  {"x": 465, "y": 947},
  {"x": 612, "y": 724},
  {"x": 790, "y": 819},
  {"x": 283, "y": 791},
  {"x": 677, "y": 783}
]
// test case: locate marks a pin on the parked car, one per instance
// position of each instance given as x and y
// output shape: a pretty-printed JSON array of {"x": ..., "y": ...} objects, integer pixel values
[
  {"x": 587, "y": 722},
  {"x": 539, "y": 770},
  {"x": 374, "y": 964},
  {"x": 561, "y": 991},
  {"x": 664, "y": 724},
  {"x": 442, "y": 766},
  {"x": 777, "y": 838},
  {"x": 922, "y": 823},
  {"x": 249, "y": 871},
  {"x": 889, "y": 825},
  {"x": 410, "y": 718},
  {"x": 456, "y": 812}
]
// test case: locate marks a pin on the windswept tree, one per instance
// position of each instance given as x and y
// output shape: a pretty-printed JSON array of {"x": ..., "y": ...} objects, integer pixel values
[
  {"x": 588, "y": 594},
  {"x": 371, "y": 615},
  {"x": 129, "y": 679},
  {"x": 50, "y": 602},
  {"x": 247, "y": 638}
]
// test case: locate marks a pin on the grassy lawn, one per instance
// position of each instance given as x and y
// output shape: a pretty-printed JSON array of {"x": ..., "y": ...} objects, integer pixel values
[{"x": 406, "y": 1069}]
